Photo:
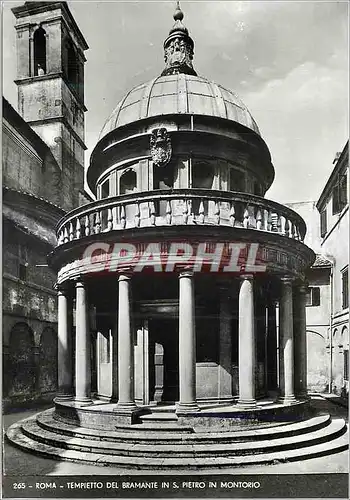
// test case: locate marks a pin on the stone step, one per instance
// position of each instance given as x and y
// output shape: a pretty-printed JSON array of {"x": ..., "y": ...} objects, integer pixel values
[
  {"x": 181, "y": 449},
  {"x": 140, "y": 434},
  {"x": 162, "y": 417},
  {"x": 205, "y": 464},
  {"x": 152, "y": 427}
]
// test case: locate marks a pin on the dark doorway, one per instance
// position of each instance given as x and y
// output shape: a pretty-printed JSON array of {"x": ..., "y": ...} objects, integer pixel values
[{"x": 164, "y": 360}]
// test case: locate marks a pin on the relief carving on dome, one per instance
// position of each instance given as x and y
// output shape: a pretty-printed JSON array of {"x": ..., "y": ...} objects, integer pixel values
[{"x": 160, "y": 147}]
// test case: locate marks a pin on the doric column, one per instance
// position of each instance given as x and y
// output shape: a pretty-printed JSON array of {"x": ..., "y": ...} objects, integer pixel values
[
  {"x": 65, "y": 374},
  {"x": 246, "y": 343},
  {"x": 126, "y": 400},
  {"x": 225, "y": 353},
  {"x": 286, "y": 342},
  {"x": 83, "y": 348},
  {"x": 300, "y": 342},
  {"x": 187, "y": 344},
  {"x": 114, "y": 352},
  {"x": 271, "y": 345}
]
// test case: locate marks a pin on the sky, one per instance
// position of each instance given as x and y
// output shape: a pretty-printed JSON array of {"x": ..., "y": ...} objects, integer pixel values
[{"x": 287, "y": 60}]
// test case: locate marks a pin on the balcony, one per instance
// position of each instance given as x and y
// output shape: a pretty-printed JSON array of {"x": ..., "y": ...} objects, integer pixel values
[{"x": 178, "y": 207}]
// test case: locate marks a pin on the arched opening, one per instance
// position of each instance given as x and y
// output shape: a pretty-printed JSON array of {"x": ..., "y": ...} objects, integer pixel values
[
  {"x": 345, "y": 342},
  {"x": 40, "y": 52},
  {"x": 20, "y": 373},
  {"x": 48, "y": 361},
  {"x": 337, "y": 362}
]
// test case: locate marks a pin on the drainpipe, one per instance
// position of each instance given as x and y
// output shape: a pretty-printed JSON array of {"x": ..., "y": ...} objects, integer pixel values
[{"x": 331, "y": 334}]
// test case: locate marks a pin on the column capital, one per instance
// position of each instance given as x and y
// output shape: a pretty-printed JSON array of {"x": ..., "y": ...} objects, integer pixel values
[
  {"x": 302, "y": 287},
  {"x": 287, "y": 280},
  {"x": 79, "y": 281},
  {"x": 186, "y": 273},
  {"x": 125, "y": 276},
  {"x": 247, "y": 276}
]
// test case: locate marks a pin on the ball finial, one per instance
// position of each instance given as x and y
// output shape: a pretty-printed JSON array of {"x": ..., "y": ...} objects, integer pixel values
[{"x": 178, "y": 14}]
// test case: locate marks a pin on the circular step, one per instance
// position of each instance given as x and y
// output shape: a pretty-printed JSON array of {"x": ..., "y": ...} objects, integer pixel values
[{"x": 136, "y": 449}]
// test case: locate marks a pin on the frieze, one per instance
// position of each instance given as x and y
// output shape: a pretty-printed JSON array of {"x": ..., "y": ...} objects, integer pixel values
[{"x": 164, "y": 256}]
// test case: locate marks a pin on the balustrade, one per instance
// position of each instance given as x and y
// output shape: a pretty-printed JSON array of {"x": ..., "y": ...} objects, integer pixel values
[{"x": 180, "y": 207}]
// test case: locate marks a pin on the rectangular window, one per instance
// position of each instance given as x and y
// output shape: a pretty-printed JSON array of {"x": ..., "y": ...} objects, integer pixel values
[
  {"x": 105, "y": 189},
  {"x": 313, "y": 298},
  {"x": 22, "y": 272},
  {"x": 339, "y": 194},
  {"x": 257, "y": 188},
  {"x": 343, "y": 190},
  {"x": 237, "y": 180},
  {"x": 345, "y": 289},
  {"x": 323, "y": 217},
  {"x": 335, "y": 200},
  {"x": 346, "y": 365}
]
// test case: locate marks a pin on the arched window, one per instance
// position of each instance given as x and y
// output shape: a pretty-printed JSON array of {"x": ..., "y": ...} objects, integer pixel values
[
  {"x": 40, "y": 52},
  {"x": 345, "y": 341},
  {"x": 127, "y": 183}
]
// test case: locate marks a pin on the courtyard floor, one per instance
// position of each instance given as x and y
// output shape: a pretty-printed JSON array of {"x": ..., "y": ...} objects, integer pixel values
[{"x": 17, "y": 462}]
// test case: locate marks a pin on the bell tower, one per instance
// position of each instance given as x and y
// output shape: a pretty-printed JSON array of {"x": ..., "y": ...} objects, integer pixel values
[{"x": 50, "y": 81}]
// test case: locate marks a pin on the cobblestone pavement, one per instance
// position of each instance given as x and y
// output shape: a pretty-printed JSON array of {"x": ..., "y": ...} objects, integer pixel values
[{"x": 17, "y": 462}]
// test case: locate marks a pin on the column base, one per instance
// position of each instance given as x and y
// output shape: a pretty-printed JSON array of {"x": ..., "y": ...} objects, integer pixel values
[
  {"x": 82, "y": 400},
  {"x": 246, "y": 403},
  {"x": 125, "y": 408},
  {"x": 287, "y": 400},
  {"x": 63, "y": 397},
  {"x": 127, "y": 413},
  {"x": 185, "y": 408}
]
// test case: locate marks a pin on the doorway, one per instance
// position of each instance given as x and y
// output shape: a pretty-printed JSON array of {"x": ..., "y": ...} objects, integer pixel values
[{"x": 164, "y": 360}]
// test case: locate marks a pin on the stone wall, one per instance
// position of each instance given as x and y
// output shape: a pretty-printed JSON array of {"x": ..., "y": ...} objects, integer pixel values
[{"x": 29, "y": 320}]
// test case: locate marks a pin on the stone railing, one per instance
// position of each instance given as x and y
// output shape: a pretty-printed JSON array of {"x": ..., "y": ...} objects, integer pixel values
[{"x": 180, "y": 207}]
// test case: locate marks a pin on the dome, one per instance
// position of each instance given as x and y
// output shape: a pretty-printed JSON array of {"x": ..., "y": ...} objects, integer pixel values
[{"x": 179, "y": 94}]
